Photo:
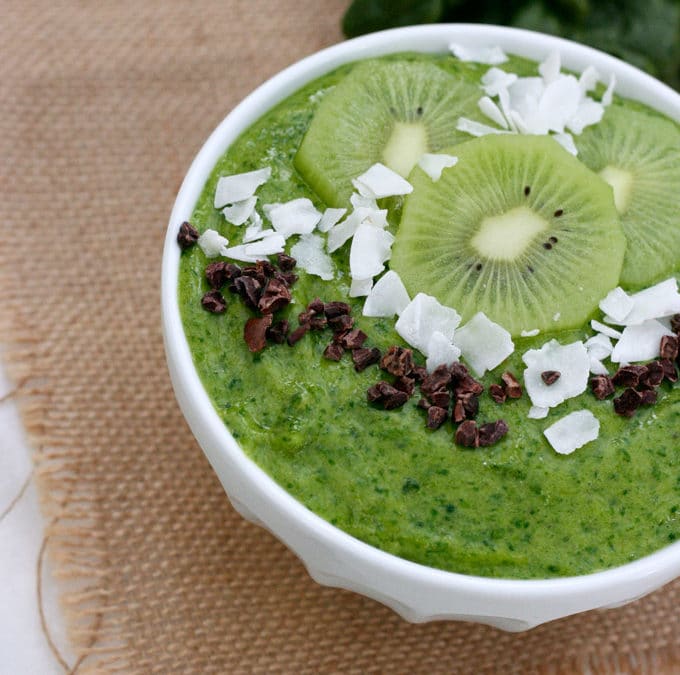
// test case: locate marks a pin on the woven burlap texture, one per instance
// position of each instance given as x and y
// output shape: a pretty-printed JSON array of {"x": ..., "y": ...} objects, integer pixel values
[{"x": 103, "y": 107}]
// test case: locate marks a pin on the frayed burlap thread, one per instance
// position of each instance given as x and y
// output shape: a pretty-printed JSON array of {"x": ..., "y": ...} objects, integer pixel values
[{"x": 103, "y": 106}]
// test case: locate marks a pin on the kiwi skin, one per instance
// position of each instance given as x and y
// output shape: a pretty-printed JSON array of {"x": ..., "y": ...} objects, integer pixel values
[
  {"x": 382, "y": 109},
  {"x": 555, "y": 279},
  {"x": 638, "y": 152}
]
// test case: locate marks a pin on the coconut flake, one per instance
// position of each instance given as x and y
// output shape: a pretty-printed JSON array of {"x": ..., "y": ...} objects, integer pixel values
[
  {"x": 599, "y": 346},
  {"x": 371, "y": 247},
  {"x": 588, "y": 79},
  {"x": 422, "y": 317},
  {"x": 605, "y": 330},
  {"x": 388, "y": 297},
  {"x": 360, "y": 287},
  {"x": 573, "y": 431},
  {"x": 297, "y": 216},
  {"x": 359, "y": 201},
  {"x": 587, "y": 113},
  {"x": 608, "y": 95},
  {"x": 492, "y": 111},
  {"x": 477, "y": 128},
  {"x": 311, "y": 257},
  {"x": 655, "y": 302},
  {"x": 434, "y": 164},
  {"x": 496, "y": 79},
  {"x": 330, "y": 217},
  {"x": 550, "y": 68},
  {"x": 489, "y": 55},
  {"x": 255, "y": 251},
  {"x": 530, "y": 333},
  {"x": 617, "y": 304},
  {"x": 483, "y": 343},
  {"x": 441, "y": 352},
  {"x": 597, "y": 367},
  {"x": 240, "y": 186},
  {"x": 537, "y": 413},
  {"x": 211, "y": 243},
  {"x": 640, "y": 342},
  {"x": 379, "y": 181},
  {"x": 571, "y": 361},
  {"x": 567, "y": 142},
  {"x": 238, "y": 212}
]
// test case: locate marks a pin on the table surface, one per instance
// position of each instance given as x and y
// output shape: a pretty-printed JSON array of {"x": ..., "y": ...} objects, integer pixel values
[{"x": 24, "y": 648}]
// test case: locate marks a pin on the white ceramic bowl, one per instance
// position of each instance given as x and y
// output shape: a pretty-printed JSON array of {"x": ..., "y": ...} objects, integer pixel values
[{"x": 334, "y": 558}]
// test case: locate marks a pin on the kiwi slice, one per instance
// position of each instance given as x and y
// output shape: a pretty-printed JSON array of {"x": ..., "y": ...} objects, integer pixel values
[
  {"x": 638, "y": 154},
  {"x": 389, "y": 111},
  {"x": 519, "y": 229}
]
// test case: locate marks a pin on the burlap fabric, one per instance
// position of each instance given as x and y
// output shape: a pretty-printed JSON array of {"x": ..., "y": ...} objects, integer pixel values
[{"x": 103, "y": 107}]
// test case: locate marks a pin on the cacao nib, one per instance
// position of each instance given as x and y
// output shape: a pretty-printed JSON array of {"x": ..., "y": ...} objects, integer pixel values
[
  {"x": 255, "y": 332},
  {"x": 364, "y": 357},
  {"x": 387, "y": 395},
  {"x": 255, "y": 272},
  {"x": 353, "y": 339},
  {"x": 669, "y": 347},
  {"x": 396, "y": 400},
  {"x": 492, "y": 432},
  {"x": 653, "y": 376},
  {"x": 216, "y": 274},
  {"x": 277, "y": 332},
  {"x": 648, "y": 397},
  {"x": 496, "y": 392},
  {"x": 298, "y": 334},
  {"x": 316, "y": 306},
  {"x": 626, "y": 404},
  {"x": 458, "y": 372},
  {"x": 628, "y": 376},
  {"x": 333, "y": 351},
  {"x": 438, "y": 379},
  {"x": 601, "y": 386},
  {"x": 458, "y": 414},
  {"x": 275, "y": 296},
  {"x": 436, "y": 416},
  {"x": 468, "y": 386},
  {"x": 318, "y": 322},
  {"x": 441, "y": 398},
  {"x": 424, "y": 404},
  {"x": 405, "y": 384},
  {"x": 550, "y": 376},
  {"x": 669, "y": 371},
  {"x": 397, "y": 361},
  {"x": 214, "y": 302},
  {"x": 420, "y": 373},
  {"x": 249, "y": 289},
  {"x": 470, "y": 406},
  {"x": 342, "y": 322},
  {"x": 288, "y": 277},
  {"x": 511, "y": 385},
  {"x": 467, "y": 434},
  {"x": 305, "y": 317},
  {"x": 187, "y": 235},
  {"x": 285, "y": 262},
  {"x": 333, "y": 309},
  {"x": 675, "y": 324}
]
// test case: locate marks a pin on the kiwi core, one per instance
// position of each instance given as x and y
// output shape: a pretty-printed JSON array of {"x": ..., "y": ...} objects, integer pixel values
[
  {"x": 405, "y": 146},
  {"x": 621, "y": 182},
  {"x": 506, "y": 236}
]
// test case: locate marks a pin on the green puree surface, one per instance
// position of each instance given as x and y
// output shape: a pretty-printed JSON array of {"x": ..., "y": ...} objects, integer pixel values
[{"x": 517, "y": 509}]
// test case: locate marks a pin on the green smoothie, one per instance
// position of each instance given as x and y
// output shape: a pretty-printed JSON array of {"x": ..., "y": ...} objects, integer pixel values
[{"x": 515, "y": 510}]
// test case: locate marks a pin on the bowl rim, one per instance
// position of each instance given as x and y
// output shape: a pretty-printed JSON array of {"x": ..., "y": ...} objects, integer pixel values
[{"x": 594, "y": 588}]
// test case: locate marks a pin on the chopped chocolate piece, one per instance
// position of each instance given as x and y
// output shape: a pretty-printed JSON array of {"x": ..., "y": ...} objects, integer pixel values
[
  {"x": 375, "y": 392},
  {"x": 467, "y": 434},
  {"x": 232, "y": 271},
  {"x": 286, "y": 263},
  {"x": 216, "y": 274},
  {"x": 277, "y": 332},
  {"x": 511, "y": 385},
  {"x": 628, "y": 376},
  {"x": 669, "y": 371},
  {"x": 458, "y": 372},
  {"x": 298, "y": 333},
  {"x": 602, "y": 386},
  {"x": 397, "y": 361},
  {"x": 334, "y": 351},
  {"x": 648, "y": 397},
  {"x": 266, "y": 268},
  {"x": 352, "y": 339},
  {"x": 436, "y": 416},
  {"x": 669, "y": 347},
  {"x": 333, "y": 309},
  {"x": 316, "y": 306},
  {"x": 187, "y": 236},
  {"x": 438, "y": 379},
  {"x": 385, "y": 393},
  {"x": 342, "y": 322},
  {"x": 550, "y": 376},
  {"x": 364, "y": 357},
  {"x": 255, "y": 332},
  {"x": 458, "y": 414},
  {"x": 289, "y": 277},
  {"x": 396, "y": 400},
  {"x": 275, "y": 296},
  {"x": 441, "y": 398},
  {"x": 405, "y": 384},
  {"x": 424, "y": 403},
  {"x": 496, "y": 392},
  {"x": 214, "y": 302},
  {"x": 420, "y": 373},
  {"x": 255, "y": 272},
  {"x": 492, "y": 432},
  {"x": 470, "y": 406},
  {"x": 468, "y": 385},
  {"x": 675, "y": 324},
  {"x": 626, "y": 404},
  {"x": 318, "y": 322},
  {"x": 653, "y": 376},
  {"x": 249, "y": 289}
]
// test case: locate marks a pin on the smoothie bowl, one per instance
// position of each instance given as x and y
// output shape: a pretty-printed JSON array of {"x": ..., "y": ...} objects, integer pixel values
[{"x": 420, "y": 311}]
